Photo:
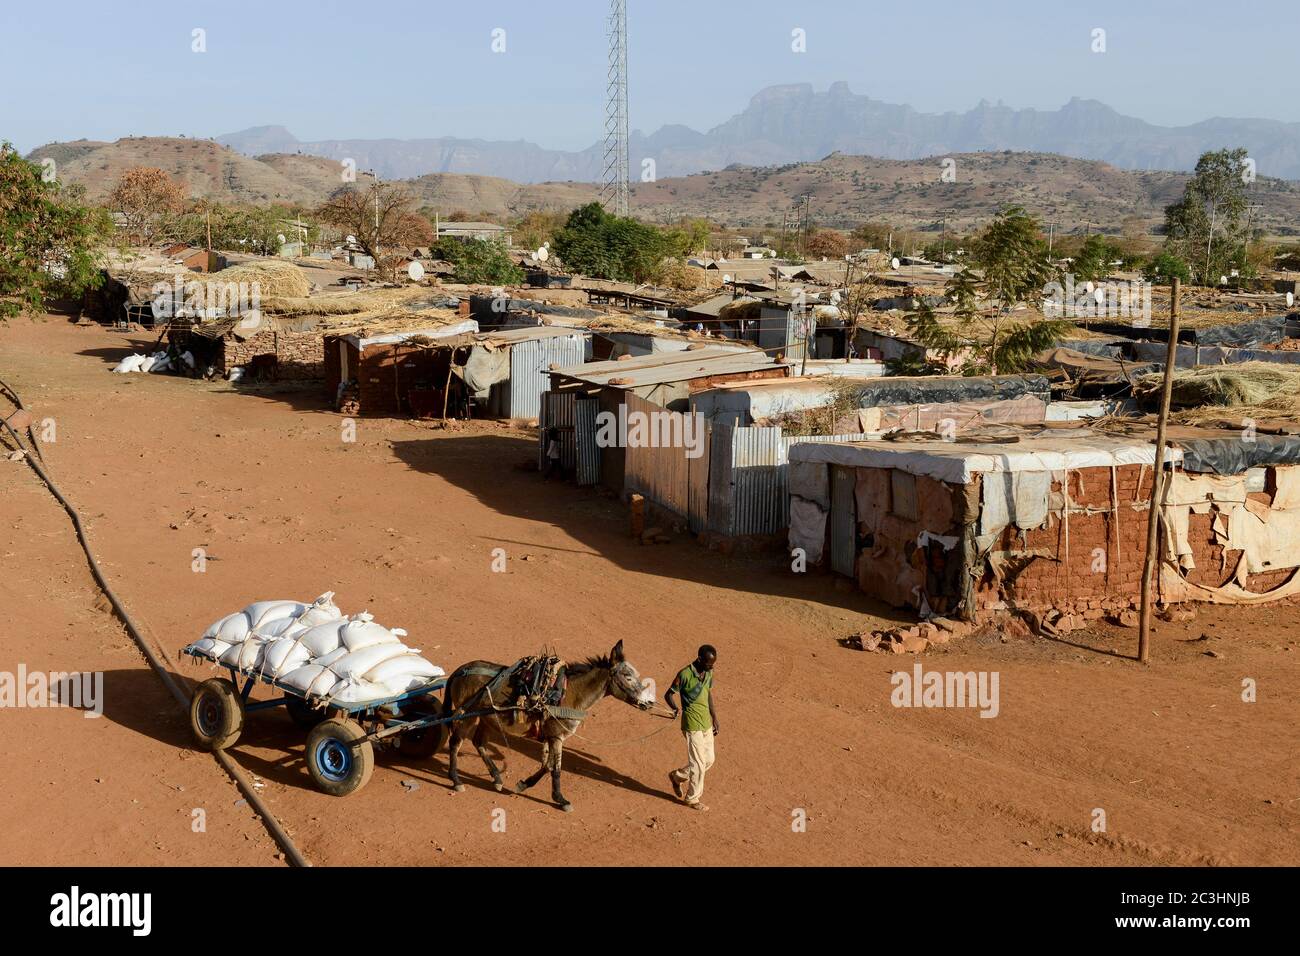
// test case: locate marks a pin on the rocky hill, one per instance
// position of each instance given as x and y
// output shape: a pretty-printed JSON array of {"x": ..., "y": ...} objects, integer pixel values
[{"x": 844, "y": 190}]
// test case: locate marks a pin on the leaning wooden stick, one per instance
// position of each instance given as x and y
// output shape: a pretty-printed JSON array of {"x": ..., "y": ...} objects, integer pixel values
[{"x": 1159, "y": 482}]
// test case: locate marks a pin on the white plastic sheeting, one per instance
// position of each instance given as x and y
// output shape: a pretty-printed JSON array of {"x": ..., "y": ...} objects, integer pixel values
[{"x": 958, "y": 462}]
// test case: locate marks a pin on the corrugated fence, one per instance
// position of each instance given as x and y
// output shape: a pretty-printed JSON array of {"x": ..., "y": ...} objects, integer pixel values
[{"x": 737, "y": 483}]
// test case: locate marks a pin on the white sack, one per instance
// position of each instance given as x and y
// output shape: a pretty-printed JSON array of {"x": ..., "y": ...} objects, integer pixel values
[
  {"x": 359, "y": 663},
  {"x": 404, "y": 672},
  {"x": 362, "y": 632},
  {"x": 327, "y": 659},
  {"x": 268, "y": 611},
  {"x": 284, "y": 654},
  {"x": 303, "y": 677},
  {"x": 322, "y": 611},
  {"x": 323, "y": 638},
  {"x": 212, "y": 646},
  {"x": 353, "y": 690}
]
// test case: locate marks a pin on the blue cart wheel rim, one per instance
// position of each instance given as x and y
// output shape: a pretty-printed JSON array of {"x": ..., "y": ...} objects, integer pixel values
[
  {"x": 333, "y": 759},
  {"x": 208, "y": 714}
]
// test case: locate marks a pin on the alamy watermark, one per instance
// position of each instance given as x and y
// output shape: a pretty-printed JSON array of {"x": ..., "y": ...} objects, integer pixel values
[
  {"x": 186, "y": 298},
  {"x": 53, "y": 689},
  {"x": 1094, "y": 300},
  {"x": 659, "y": 429},
  {"x": 946, "y": 689}
]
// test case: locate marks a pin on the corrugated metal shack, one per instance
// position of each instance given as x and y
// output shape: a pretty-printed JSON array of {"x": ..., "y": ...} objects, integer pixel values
[
  {"x": 669, "y": 473},
  {"x": 421, "y": 372}
]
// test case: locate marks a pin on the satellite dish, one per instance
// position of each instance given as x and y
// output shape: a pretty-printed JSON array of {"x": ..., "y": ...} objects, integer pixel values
[
  {"x": 280, "y": 238},
  {"x": 1099, "y": 296},
  {"x": 533, "y": 256},
  {"x": 1290, "y": 299},
  {"x": 1223, "y": 280},
  {"x": 546, "y": 244},
  {"x": 1087, "y": 288},
  {"x": 835, "y": 296},
  {"x": 893, "y": 263},
  {"x": 415, "y": 271},
  {"x": 352, "y": 238},
  {"x": 726, "y": 278},
  {"x": 543, "y": 254}
]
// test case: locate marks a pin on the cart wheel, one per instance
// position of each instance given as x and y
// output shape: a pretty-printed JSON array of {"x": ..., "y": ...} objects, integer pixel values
[
  {"x": 216, "y": 714},
  {"x": 335, "y": 761},
  {"x": 421, "y": 743},
  {"x": 302, "y": 713}
]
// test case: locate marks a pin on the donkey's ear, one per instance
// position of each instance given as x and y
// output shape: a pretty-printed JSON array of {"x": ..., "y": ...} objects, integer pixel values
[{"x": 616, "y": 655}]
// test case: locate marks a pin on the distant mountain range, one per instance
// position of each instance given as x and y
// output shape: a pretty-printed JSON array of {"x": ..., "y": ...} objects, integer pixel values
[
  {"x": 795, "y": 123},
  {"x": 843, "y": 190}
]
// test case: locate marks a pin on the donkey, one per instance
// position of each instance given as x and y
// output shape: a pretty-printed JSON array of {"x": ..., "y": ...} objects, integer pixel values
[{"x": 587, "y": 682}]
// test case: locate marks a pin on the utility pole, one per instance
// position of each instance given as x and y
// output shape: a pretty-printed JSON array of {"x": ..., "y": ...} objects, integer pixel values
[{"x": 1158, "y": 483}]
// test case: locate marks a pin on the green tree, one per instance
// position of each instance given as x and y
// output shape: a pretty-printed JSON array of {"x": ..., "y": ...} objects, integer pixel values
[
  {"x": 1092, "y": 261},
  {"x": 1206, "y": 228},
  {"x": 595, "y": 243},
  {"x": 1162, "y": 268},
  {"x": 48, "y": 239},
  {"x": 1013, "y": 270},
  {"x": 480, "y": 261}
]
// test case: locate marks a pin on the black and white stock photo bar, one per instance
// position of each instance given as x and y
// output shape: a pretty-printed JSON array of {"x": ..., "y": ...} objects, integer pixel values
[{"x": 568, "y": 446}]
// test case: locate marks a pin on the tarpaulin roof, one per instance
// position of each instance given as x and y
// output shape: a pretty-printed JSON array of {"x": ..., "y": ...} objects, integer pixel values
[{"x": 959, "y": 462}]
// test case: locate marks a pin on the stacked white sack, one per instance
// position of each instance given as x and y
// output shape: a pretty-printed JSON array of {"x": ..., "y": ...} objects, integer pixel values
[{"x": 317, "y": 650}]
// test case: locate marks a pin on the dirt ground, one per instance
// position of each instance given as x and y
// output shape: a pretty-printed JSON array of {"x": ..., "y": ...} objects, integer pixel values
[{"x": 403, "y": 521}]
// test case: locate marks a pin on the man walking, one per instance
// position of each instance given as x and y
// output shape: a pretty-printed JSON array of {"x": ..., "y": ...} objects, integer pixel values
[{"x": 699, "y": 724}]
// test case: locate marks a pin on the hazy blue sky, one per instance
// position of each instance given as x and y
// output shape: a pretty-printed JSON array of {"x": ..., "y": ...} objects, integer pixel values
[{"x": 100, "y": 70}]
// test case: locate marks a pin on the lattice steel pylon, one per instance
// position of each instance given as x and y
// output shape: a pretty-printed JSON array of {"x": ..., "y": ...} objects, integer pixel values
[{"x": 614, "y": 191}]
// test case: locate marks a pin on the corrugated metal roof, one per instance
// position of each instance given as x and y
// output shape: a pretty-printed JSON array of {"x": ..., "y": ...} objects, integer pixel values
[{"x": 660, "y": 367}]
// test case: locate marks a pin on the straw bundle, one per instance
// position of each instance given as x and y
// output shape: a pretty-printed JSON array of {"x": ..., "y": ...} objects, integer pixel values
[{"x": 1250, "y": 389}]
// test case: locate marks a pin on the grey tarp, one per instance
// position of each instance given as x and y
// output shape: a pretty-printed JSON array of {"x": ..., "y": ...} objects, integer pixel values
[{"x": 1234, "y": 456}]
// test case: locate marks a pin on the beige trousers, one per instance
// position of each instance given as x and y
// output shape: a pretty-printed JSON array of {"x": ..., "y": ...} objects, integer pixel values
[{"x": 699, "y": 758}]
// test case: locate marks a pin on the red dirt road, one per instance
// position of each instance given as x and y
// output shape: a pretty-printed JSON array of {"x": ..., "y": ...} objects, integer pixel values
[{"x": 403, "y": 521}]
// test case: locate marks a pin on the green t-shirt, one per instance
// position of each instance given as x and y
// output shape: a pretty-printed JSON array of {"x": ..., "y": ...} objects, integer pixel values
[{"x": 695, "y": 715}]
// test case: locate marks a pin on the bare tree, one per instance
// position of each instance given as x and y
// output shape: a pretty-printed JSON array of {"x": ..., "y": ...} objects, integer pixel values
[
  {"x": 383, "y": 219},
  {"x": 146, "y": 196}
]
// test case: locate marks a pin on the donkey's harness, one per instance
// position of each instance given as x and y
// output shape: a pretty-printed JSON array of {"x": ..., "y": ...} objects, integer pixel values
[{"x": 533, "y": 686}]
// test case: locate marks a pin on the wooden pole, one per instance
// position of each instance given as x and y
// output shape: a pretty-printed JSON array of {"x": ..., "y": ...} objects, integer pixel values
[
  {"x": 1158, "y": 483},
  {"x": 446, "y": 386}
]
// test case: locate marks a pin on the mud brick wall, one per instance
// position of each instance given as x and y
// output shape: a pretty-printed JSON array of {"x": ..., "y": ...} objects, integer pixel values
[
  {"x": 1094, "y": 561},
  {"x": 387, "y": 372},
  {"x": 298, "y": 355},
  {"x": 890, "y": 565}
]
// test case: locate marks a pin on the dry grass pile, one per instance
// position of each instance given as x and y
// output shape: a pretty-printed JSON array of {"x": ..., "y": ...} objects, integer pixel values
[
  {"x": 1249, "y": 389},
  {"x": 274, "y": 278}
]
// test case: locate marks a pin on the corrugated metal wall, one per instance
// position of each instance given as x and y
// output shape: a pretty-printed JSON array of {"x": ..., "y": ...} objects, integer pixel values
[
  {"x": 661, "y": 474},
  {"x": 588, "y": 452},
  {"x": 530, "y": 364},
  {"x": 759, "y": 478},
  {"x": 738, "y": 486},
  {"x": 557, "y": 410}
]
